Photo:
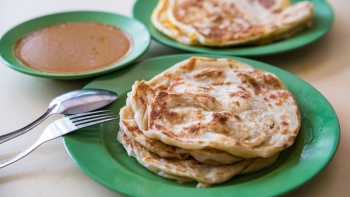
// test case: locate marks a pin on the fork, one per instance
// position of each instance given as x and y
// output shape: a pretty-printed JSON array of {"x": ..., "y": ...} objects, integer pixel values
[{"x": 64, "y": 126}]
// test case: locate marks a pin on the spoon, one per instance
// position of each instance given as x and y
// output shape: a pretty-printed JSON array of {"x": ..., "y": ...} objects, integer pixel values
[{"x": 73, "y": 102}]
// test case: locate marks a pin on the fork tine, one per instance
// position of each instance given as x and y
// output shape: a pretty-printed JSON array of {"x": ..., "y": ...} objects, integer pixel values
[
  {"x": 90, "y": 123},
  {"x": 92, "y": 119},
  {"x": 87, "y": 117},
  {"x": 88, "y": 113}
]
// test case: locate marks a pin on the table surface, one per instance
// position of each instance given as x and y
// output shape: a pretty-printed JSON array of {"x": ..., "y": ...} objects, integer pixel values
[{"x": 49, "y": 171}]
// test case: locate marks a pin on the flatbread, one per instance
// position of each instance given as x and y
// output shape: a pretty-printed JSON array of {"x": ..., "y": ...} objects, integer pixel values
[
  {"x": 207, "y": 156},
  {"x": 190, "y": 170},
  {"x": 219, "y": 104},
  {"x": 208, "y": 120},
  {"x": 220, "y": 23},
  {"x": 161, "y": 21}
]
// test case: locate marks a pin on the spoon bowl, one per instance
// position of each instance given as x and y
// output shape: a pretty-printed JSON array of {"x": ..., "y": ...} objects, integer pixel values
[{"x": 80, "y": 101}]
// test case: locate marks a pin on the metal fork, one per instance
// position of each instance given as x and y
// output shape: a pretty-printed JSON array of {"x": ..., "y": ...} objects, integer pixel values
[{"x": 63, "y": 126}]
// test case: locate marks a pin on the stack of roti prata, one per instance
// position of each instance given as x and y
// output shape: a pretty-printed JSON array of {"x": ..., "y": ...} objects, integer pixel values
[{"x": 207, "y": 120}]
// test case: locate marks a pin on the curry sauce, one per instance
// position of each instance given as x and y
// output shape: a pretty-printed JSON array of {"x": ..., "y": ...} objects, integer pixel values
[{"x": 70, "y": 48}]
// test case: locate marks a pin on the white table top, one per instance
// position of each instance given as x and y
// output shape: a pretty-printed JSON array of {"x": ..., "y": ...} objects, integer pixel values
[{"x": 49, "y": 171}]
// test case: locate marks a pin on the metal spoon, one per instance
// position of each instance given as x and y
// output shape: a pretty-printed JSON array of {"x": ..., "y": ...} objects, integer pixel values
[{"x": 73, "y": 102}]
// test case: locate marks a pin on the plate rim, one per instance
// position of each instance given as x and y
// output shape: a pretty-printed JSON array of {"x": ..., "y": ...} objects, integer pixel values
[
  {"x": 7, "y": 40},
  {"x": 269, "y": 49},
  {"x": 123, "y": 190}
]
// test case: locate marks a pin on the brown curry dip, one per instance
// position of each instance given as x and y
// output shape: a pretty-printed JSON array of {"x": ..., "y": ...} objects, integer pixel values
[{"x": 70, "y": 48}]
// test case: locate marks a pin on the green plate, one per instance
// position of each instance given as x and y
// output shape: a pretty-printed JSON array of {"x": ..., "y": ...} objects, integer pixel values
[
  {"x": 137, "y": 31},
  {"x": 98, "y": 153},
  {"x": 323, "y": 21}
]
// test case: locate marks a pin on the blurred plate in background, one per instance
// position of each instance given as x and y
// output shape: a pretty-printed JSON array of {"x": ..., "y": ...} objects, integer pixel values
[{"x": 322, "y": 23}]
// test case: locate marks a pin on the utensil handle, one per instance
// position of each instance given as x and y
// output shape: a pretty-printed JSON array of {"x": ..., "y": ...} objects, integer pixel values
[
  {"x": 8, "y": 136},
  {"x": 21, "y": 154}
]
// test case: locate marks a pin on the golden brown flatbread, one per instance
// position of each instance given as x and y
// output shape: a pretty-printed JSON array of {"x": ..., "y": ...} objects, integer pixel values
[
  {"x": 207, "y": 120},
  {"x": 231, "y": 22},
  {"x": 190, "y": 170},
  {"x": 217, "y": 103}
]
